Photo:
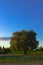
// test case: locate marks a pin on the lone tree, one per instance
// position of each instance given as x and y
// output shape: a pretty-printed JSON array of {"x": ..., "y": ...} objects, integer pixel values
[{"x": 24, "y": 40}]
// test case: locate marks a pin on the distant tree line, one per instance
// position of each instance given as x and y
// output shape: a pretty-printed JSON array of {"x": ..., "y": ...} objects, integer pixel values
[{"x": 4, "y": 50}]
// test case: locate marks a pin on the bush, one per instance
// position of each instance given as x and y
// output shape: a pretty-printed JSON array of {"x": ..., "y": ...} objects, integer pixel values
[{"x": 40, "y": 49}]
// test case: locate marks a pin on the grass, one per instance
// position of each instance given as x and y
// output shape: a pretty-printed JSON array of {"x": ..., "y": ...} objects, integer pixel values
[
  {"x": 18, "y": 56},
  {"x": 19, "y": 59}
]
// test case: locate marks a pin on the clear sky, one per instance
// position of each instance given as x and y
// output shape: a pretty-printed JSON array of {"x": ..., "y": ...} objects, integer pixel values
[{"x": 16, "y": 15}]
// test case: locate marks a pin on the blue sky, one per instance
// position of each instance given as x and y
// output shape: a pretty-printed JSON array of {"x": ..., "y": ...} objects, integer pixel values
[{"x": 16, "y": 15}]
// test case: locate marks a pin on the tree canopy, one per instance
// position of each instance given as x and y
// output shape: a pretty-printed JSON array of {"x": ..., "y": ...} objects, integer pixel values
[{"x": 24, "y": 40}]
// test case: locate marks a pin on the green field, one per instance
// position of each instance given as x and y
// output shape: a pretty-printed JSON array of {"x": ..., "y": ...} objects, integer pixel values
[{"x": 18, "y": 56}]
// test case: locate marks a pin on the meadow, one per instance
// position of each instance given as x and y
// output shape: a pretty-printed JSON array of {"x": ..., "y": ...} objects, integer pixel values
[{"x": 18, "y": 56}]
